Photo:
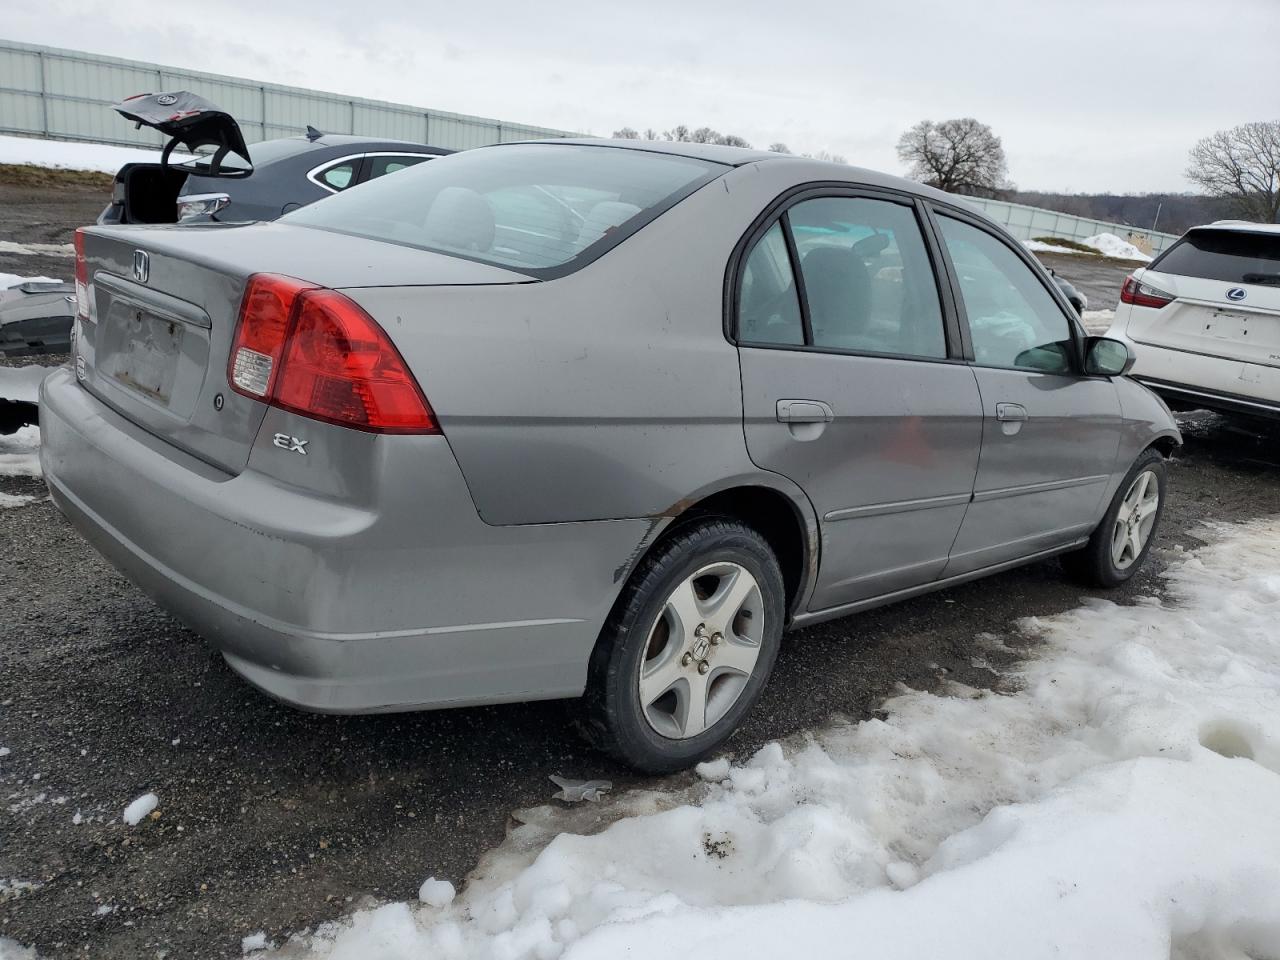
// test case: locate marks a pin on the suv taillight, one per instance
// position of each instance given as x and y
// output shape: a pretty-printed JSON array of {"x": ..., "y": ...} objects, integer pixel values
[
  {"x": 313, "y": 351},
  {"x": 82, "y": 278},
  {"x": 1143, "y": 295}
]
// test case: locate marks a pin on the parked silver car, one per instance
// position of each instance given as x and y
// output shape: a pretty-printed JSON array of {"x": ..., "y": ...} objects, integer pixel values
[{"x": 543, "y": 419}]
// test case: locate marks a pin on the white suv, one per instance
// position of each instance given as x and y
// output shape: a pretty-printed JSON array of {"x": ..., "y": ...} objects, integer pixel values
[{"x": 1204, "y": 319}]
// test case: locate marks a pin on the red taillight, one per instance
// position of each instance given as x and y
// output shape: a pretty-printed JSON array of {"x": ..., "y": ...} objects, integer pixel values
[
  {"x": 82, "y": 278},
  {"x": 1141, "y": 294},
  {"x": 315, "y": 352}
]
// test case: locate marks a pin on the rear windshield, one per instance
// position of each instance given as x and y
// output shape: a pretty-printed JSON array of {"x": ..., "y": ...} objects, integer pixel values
[
  {"x": 1230, "y": 255},
  {"x": 541, "y": 209},
  {"x": 264, "y": 152}
]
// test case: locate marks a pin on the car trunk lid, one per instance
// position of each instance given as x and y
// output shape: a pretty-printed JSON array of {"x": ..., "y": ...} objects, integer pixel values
[
  {"x": 1234, "y": 321},
  {"x": 164, "y": 303}
]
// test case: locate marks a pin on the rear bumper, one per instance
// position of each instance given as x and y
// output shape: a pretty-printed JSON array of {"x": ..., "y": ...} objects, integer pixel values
[
  {"x": 1210, "y": 400},
  {"x": 1215, "y": 383},
  {"x": 403, "y": 600}
]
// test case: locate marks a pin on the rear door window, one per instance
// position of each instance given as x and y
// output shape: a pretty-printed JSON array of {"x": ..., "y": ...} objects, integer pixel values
[
  {"x": 868, "y": 281},
  {"x": 1232, "y": 256}
]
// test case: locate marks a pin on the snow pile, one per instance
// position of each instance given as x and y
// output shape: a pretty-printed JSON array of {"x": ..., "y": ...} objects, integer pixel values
[
  {"x": 1039, "y": 246},
  {"x": 20, "y": 453},
  {"x": 1098, "y": 322},
  {"x": 8, "y": 280},
  {"x": 436, "y": 893},
  {"x": 137, "y": 811},
  {"x": 256, "y": 941},
  {"x": 75, "y": 156},
  {"x": 7, "y": 501},
  {"x": 34, "y": 249},
  {"x": 1109, "y": 245},
  {"x": 1124, "y": 800}
]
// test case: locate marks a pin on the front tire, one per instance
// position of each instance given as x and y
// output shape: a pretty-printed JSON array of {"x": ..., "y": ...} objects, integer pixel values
[
  {"x": 1120, "y": 544},
  {"x": 688, "y": 648}
]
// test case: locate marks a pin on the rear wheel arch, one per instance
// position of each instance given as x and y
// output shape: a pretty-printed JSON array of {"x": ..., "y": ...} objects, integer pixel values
[
  {"x": 786, "y": 524},
  {"x": 1166, "y": 446}
]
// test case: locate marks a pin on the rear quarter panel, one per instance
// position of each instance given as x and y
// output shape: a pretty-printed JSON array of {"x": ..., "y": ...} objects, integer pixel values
[{"x": 609, "y": 393}]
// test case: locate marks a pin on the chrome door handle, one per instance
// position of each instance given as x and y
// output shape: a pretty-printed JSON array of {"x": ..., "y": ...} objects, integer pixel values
[
  {"x": 1011, "y": 412},
  {"x": 804, "y": 411}
]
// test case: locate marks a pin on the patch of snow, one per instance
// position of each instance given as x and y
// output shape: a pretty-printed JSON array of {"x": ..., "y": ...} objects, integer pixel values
[
  {"x": 74, "y": 156},
  {"x": 1098, "y": 321},
  {"x": 77, "y": 819},
  {"x": 1121, "y": 801},
  {"x": 1108, "y": 244},
  {"x": 140, "y": 808},
  {"x": 23, "y": 383},
  {"x": 253, "y": 942},
  {"x": 1039, "y": 246},
  {"x": 20, "y": 453},
  {"x": 713, "y": 770},
  {"x": 13, "y": 950},
  {"x": 103, "y": 910},
  {"x": 5, "y": 751},
  {"x": 436, "y": 893},
  {"x": 8, "y": 280},
  {"x": 33, "y": 249}
]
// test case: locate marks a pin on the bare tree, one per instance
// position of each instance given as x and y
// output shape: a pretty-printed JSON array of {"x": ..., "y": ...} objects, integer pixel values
[
  {"x": 626, "y": 133},
  {"x": 959, "y": 156},
  {"x": 1241, "y": 165},
  {"x": 779, "y": 148},
  {"x": 733, "y": 140},
  {"x": 827, "y": 156}
]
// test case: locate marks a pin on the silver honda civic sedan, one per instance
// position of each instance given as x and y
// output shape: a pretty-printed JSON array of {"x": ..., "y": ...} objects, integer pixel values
[{"x": 579, "y": 418}]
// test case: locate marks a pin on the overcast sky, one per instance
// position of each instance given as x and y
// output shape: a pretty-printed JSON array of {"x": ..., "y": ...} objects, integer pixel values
[{"x": 1087, "y": 95}]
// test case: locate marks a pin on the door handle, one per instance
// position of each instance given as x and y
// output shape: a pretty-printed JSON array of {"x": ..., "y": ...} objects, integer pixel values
[
  {"x": 1011, "y": 412},
  {"x": 804, "y": 411}
]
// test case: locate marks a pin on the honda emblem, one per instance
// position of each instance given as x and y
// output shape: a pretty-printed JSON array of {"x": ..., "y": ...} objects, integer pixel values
[{"x": 141, "y": 265}]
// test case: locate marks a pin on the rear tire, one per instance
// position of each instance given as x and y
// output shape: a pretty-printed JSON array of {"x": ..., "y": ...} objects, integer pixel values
[
  {"x": 688, "y": 647},
  {"x": 1120, "y": 544}
]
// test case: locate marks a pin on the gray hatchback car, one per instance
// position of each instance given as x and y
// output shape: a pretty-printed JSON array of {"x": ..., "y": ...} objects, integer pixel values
[{"x": 551, "y": 419}]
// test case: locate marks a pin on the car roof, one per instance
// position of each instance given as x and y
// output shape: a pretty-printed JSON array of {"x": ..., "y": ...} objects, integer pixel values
[
  {"x": 814, "y": 170},
  {"x": 347, "y": 140},
  {"x": 1238, "y": 226}
]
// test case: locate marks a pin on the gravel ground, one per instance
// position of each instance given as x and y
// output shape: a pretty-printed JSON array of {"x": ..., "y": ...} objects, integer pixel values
[
  {"x": 1098, "y": 278},
  {"x": 271, "y": 819}
]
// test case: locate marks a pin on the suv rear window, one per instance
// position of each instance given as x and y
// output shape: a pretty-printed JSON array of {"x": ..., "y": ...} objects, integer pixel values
[
  {"x": 541, "y": 209},
  {"x": 1231, "y": 255}
]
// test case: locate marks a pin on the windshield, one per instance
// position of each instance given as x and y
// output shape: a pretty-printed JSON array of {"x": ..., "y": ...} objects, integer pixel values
[
  {"x": 1234, "y": 256},
  {"x": 542, "y": 209}
]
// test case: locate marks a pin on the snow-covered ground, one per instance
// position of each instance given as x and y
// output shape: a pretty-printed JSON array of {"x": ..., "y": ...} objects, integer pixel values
[
  {"x": 22, "y": 383},
  {"x": 73, "y": 156},
  {"x": 37, "y": 249},
  {"x": 1098, "y": 322},
  {"x": 1107, "y": 244},
  {"x": 1121, "y": 803},
  {"x": 20, "y": 454}
]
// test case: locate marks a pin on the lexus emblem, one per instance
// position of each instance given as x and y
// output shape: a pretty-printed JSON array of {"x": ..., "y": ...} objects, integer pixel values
[
  {"x": 165, "y": 99},
  {"x": 1237, "y": 293},
  {"x": 141, "y": 265}
]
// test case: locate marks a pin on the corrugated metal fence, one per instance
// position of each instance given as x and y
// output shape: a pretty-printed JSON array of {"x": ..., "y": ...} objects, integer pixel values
[
  {"x": 1026, "y": 222},
  {"x": 66, "y": 95}
]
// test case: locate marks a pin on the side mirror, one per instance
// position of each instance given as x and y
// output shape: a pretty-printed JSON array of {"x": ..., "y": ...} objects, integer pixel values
[{"x": 1104, "y": 357}]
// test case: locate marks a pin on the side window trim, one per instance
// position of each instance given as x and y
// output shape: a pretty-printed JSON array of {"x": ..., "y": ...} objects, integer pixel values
[
  {"x": 1073, "y": 322},
  {"x": 954, "y": 333},
  {"x": 797, "y": 276}
]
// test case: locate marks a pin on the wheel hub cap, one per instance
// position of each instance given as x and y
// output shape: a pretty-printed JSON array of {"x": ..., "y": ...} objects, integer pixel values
[{"x": 701, "y": 650}]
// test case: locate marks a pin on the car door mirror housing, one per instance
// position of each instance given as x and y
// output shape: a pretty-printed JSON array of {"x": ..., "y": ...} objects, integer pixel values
[{"x": 1105, "y": 357}]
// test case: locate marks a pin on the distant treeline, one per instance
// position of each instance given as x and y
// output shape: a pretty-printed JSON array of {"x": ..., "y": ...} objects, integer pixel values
[{"x": 1178, "y": 211}]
